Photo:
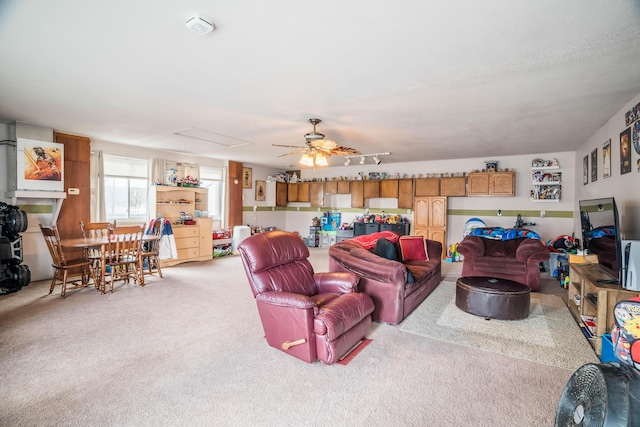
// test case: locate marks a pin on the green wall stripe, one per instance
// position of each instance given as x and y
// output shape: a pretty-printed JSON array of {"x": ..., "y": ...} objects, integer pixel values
[
  {"x": 451, "y": 212},
  {"x": 36, "y": 209}
]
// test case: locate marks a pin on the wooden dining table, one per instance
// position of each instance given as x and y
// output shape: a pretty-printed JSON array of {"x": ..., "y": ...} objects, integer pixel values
[{"x": 101, "y": 244}]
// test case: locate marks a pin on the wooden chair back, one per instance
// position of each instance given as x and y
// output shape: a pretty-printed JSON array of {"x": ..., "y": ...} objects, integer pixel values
[{"x": 96, "y": 229}]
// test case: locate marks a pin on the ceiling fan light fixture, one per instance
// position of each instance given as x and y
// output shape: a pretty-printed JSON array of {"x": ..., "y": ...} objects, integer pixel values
[
  {"x": 306, "y": 160},
  {"x": 321, "y": 160}
]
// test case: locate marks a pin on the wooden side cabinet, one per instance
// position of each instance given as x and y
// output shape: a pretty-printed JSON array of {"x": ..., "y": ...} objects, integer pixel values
[
  {"x": 491, "y": 184},
  {"x": 430, "y": 219}
]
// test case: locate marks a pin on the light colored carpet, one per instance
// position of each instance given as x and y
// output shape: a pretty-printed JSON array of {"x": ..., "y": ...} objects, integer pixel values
[
  {"x": 189, "y": 350},
  {"x": 549, "y": 335}
]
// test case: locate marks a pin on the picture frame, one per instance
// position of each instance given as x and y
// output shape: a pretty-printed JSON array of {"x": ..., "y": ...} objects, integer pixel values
[
  {"x": 247, "y": 178},
  {"x": 594, "y": 165},
  {"x": 39, "y": 165},
  {"x": 606, "y": 159},
  {"x": 625, "y": 151},
  {"x": 585, "y": 170},
  {"x": 261, "y": 191}
]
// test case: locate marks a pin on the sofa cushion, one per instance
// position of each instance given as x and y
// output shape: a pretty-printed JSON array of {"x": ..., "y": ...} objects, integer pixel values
[
  {"x": 413, "y": 248},
  {"x": 368, "y": 241},
  {"x": 385, "y": 249}
]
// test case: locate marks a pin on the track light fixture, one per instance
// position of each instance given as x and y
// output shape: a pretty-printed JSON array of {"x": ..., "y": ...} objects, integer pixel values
[{"x": 363, "y": 158}]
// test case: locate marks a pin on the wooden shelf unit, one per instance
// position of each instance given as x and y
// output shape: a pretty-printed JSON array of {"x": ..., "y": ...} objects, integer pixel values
[{"x": 583, "y": 283}]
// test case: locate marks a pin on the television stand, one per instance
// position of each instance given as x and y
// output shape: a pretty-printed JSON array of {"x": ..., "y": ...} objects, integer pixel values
[
  {"x": 607, "y": 281},
  {"x": 588, "y": 280}
]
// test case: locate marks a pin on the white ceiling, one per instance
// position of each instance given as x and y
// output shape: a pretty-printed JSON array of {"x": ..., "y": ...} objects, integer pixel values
[{"x": 436, "y": 79}]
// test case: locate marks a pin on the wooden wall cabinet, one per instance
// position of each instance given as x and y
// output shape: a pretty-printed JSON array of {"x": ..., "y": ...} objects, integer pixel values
[
  {"x": 453, "y": 186},
  {"x": 304, "y": 192},
  {"x": 357, "y": 194},
  {"x": 491, "y": 184},
  {"x": 292, "y": 192},
  {"x": 427, "y": 187},
  {"x": 371, "y": 189},
  {"x": 331, "y": 187},
  {"x": 405, "y": 193},
  {"x": 282, "y": 195},
  {"x": 430, "y": 219},
  {"x": 344, "y": 187},
  {"x": 389, "y": 188},
  {"x": 316, "y": 193}
]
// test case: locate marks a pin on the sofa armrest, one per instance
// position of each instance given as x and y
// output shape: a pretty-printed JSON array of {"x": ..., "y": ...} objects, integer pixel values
[
  {"x": 371, "y": 266},
  {"x": 532, "y": 248},
  {"x": 336, "y": 282},
  {"x": 286, "y": 299},
  {"x": 471, "y": 247}
]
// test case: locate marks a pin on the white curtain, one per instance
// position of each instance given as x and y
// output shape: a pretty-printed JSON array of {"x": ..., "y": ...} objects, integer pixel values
[
  {"x": 98, "y": 209},
  {"x": 157, "y": 169}
]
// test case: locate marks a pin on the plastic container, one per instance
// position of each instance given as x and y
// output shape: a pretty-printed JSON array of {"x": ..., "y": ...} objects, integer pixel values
[{"x": 607, "y": 354}]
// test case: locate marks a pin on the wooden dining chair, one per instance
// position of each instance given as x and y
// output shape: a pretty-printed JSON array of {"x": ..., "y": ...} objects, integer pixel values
[
  {"x": 151, "y": 250},
  {"x": 91, "y": 230},
  {"x": 123, "y": 257},
  {"x": 63, "y": 266}
]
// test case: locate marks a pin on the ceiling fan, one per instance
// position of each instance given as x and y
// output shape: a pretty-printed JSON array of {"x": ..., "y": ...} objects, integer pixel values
[{"x": 318, "y": 149}]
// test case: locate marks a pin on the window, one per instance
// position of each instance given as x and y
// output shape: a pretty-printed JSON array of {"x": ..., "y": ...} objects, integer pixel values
[
  {"x": 213, "y": 180},
  {"x": 125, "y": 187}
]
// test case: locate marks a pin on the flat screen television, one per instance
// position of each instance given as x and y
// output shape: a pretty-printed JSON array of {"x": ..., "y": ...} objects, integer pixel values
[{"x": 601, "y": 235}]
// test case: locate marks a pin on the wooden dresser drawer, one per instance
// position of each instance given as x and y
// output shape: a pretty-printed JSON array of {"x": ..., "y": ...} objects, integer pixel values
[
  {"x": 188, "y": 253},
  {"x": 188, "y": 242},
  {"x": 186, "y": 231}
]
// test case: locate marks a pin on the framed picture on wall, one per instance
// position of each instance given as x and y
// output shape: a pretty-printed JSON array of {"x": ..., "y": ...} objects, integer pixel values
[
  {"x": 585, "y": 170},
  {"x": 625, "y": 151},
  {"x": 247, "y": 175},
  {"x": 594, "y": 165},
  {"x": 39, "y": 165},
  {"x": 261, "y": 191},
  {"x": 606, "y": 159}
]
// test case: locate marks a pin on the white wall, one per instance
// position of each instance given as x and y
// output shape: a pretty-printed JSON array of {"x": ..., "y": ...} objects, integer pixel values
[{"x": 625, "y": 188}]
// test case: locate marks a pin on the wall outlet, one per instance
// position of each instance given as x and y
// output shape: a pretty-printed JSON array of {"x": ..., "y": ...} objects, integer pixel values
[
  {"x": 499, "y": 212},
  {"x": 543, "y": 214}
]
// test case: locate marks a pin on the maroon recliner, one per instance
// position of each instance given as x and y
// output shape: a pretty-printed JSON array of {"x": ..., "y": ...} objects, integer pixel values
[{"x": 312, "y": 316}]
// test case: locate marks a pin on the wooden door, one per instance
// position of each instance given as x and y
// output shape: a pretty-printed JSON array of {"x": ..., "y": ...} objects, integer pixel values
[
  {"x": 405, "y": 194},
  {"x": 77, "y": 174},
  {"x": 303, "y": 192},
  {"x": 235, "y": 194},
  {"x": 427, "y": 187},
  {"x": 455, "y": 186},
  {"x": 292, "y": 192},
  {"x": 430, "y": 219},
  {"x": 331, "y": 187},
  {"x": 503, "y": 183},
  {"x": 371, "y": 189},
  {"x": 344, "y": 187}
]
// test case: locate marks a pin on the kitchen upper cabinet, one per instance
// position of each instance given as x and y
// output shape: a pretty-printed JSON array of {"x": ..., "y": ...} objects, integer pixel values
[
  {"x": 331, "y": 187},
  {"x": 371, "y": 189},
  {"x": 316, "y": 196},
  {"x": 344, "y": 187},
  {"x": 405, "y": 193},
  {"x": 303, "y": 192},
  {"x": 357, "y": 194},
  {"x": 389, "y": 188},
  {"x": 453, "y": 186},
  {"x": 427, "y": 187},
  {"x": 491, "y": 184}
]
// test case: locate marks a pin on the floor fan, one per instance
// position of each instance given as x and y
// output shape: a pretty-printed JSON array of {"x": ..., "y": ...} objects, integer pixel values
[{"x": 606, "y": 394}]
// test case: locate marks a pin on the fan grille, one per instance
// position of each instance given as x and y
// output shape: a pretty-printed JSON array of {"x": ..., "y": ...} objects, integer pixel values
[{"x": 583, "y": 401}]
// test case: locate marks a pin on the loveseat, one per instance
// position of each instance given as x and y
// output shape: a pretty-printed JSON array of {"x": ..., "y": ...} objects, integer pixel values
[
  {"x": 396, "y": 287},
  {"x": 515, "y": 259}
]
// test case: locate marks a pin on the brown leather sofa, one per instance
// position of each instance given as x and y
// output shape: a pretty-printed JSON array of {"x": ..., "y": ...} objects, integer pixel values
[
  {"x": 385, "y": 280},
  {"x": 515, "y": 259},
  {"x": 312, "y": 316}
]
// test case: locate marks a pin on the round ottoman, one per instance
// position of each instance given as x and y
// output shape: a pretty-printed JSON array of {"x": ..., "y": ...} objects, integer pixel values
[{"x": 493, "y": 298}]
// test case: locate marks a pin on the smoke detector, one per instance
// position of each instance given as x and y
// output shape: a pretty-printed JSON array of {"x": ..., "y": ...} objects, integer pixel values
[{"x": 200, "y": 24}]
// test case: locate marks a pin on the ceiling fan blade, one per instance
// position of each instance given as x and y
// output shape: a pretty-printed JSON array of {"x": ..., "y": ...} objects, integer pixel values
[
  {"x": 290, "y": 146},
  {"x": 324, "y": 144},
  {"x": 345, "y": 151}
]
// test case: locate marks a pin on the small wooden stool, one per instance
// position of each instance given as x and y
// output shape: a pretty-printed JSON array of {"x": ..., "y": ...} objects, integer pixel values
[{"x": 493, "y": 298}]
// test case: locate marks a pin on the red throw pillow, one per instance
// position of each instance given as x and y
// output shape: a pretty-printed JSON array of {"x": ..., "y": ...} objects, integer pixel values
[{"x": 413, "y": 248}]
